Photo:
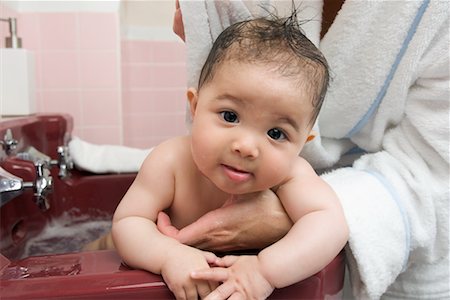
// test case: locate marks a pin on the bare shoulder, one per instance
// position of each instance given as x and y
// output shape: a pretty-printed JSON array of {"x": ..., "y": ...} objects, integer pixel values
[
  {"x": 173, "y": 145},
  {"x": 170, "y": 152},
  {"x": 301, "y": 179},
  {"x": 153, "y": 189},
  {"x": 304, "y": 177},
  {"x": 305, "y": 191},
  {"x": 303, "y": 170}
]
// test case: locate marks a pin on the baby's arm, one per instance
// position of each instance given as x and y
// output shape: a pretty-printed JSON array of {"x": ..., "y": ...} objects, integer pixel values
[
  {"x": 136, "y": 237},
  {"x": 318, "y": 235}
]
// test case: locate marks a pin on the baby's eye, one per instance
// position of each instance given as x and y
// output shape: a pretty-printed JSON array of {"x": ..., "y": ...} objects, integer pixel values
[
  {"x": 276, "y": 134},
  {"x": 229, "y": 116}
]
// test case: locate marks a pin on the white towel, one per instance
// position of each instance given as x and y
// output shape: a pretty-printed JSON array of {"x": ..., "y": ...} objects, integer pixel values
[
  {"x": 106, "y": 158},
  {"x": 205, "y": 20}
]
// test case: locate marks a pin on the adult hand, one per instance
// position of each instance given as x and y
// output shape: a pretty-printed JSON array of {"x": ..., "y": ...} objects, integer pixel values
[
  {"x": 178, "y": 26},
  {"x": 251, "y": 223}
]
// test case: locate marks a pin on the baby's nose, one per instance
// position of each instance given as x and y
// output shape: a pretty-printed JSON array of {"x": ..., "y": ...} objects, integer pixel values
[{"x": 246, "y": 147}]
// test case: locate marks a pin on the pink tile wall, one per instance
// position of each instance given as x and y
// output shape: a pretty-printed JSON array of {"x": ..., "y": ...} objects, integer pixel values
[
  {"x": 77, "y": 58},
  {"x": 118, "y": 92},
  {"x": 153, "y": 91}
]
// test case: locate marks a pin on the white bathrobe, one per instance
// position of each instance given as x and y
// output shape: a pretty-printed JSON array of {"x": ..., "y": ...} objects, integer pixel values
[{"x": 389, "y": 97}]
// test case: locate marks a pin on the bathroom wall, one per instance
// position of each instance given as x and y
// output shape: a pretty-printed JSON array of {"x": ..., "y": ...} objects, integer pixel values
[
  {"x": 153, "y": 89},
  {"x": 121, "y": 77},
  {"x": 153, "y": 74}
]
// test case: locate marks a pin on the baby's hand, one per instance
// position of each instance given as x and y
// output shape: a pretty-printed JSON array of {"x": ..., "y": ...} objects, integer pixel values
[
  {"x": 181, "y": 261},
  {"x": 241, "y": 277}
]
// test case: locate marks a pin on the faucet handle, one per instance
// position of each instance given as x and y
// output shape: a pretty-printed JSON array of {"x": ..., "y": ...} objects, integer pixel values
[
  {"x": 44, "y": 179},
  {"x": 43, "y": 185},
  {"x": 65, "y": 161},
  {"x": 8, "y": 143}
]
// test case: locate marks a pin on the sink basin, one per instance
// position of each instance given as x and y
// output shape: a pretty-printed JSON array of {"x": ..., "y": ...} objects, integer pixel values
[{"x": 40, "y": 250}]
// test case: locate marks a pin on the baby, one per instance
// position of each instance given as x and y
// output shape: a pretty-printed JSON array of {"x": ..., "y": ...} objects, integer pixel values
[{"x": 259, "y": 93}]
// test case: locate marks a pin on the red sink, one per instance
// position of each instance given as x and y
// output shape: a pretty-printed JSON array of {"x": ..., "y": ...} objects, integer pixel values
[{"x": 40, "y": 250}]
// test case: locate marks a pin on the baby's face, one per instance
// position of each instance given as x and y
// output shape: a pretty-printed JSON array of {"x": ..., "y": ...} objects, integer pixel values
[{"x": 249, "y": 125}]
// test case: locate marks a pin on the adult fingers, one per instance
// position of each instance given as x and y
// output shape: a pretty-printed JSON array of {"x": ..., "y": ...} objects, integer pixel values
[
  {"x": 178, "y": 26},
  {"x": 210, "y": 257},
  {"x": 226, "y": 261},
  {"x": 164, "y": 225},
  {"x": 197, "y": 232}
]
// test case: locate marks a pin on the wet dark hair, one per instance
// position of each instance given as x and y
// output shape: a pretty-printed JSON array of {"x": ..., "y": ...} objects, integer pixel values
[{"x": 278, "y": 42}]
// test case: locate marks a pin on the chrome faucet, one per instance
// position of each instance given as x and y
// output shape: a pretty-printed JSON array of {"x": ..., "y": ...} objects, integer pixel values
[
  {"x": 11, "y": 186},
  {"x": 64, "y": 162},
  {"x": 43, "y": 185},
  {"x": 44, "y": 181}
]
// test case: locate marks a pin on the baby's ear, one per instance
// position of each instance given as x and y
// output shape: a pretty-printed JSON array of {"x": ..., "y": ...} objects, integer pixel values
[
  {"x": 311, "y": 136},
  {"x": 192, "y": 96}
]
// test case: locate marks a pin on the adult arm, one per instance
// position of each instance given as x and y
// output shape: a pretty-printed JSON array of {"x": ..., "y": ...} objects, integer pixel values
[{"x": 249, "y": 224}]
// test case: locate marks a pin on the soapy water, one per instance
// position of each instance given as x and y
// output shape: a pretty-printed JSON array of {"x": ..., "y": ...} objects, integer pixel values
[{"x": 67, "y": 234}]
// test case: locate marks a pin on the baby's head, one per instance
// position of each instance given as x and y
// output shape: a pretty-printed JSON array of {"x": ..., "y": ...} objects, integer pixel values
[
  {"x": 278, "y": 43},
  {"x": 259, "y": 93}
]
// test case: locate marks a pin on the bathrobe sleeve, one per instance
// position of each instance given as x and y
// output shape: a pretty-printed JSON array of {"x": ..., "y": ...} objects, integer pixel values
[{"x": 396, "y": 200}]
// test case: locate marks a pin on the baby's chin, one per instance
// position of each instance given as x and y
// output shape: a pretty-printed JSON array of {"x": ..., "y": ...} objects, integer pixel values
[{"x": 241, "y": 189}]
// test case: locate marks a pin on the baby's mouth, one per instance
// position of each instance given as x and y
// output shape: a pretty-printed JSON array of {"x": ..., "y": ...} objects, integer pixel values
[{"x": 235, "y": 174}]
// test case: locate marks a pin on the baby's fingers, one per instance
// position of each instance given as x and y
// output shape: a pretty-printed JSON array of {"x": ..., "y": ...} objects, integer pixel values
[
  {"x": 191, "y": 293},
  {"x": 224, "y": 291},
  {"x": 211, "y": 274},
  {"x": 204, "y": 289}
]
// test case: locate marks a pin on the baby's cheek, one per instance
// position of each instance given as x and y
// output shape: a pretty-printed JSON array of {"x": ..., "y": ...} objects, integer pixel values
[{"x": 276, "y": 170}]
